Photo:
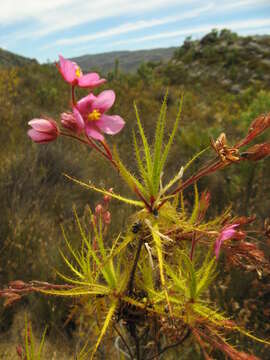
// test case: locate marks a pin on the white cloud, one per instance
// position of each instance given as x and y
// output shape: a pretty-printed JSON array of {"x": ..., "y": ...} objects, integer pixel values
[
  {"x": 238, "y": 25},
  {"x": 51, "y": 16},
  {"x": 20, "y": 10},
  {"x": 208, "y": 8},
  {"x": 129, "y": 27}
]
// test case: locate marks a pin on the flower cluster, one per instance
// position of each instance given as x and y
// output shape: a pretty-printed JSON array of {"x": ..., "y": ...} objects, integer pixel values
[{"x": 88, "y": 116}]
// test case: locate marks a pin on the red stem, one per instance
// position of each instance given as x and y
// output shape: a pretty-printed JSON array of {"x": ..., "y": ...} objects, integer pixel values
[
  {"x": 204, "y": 171},
  {"x": 73, "y": 96}
]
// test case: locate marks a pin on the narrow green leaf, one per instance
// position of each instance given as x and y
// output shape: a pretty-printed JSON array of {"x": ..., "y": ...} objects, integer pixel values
[
  {"x": 195, "y": 210},
  {"x": 158, "y": 245},
  {"x": 141, "y": 167},
  {"x": 192, "y": 277},
  {"x": 72, "y": 281},
  {"x": 145, "y": 144},
  {"x": 72, "y": 268},
  {"x": 169, "y": 144},
  {"x": 195, "y": 157},
  {"x": 71, "y": 249},
  {"x": 128, "y": 177},
  {"x": 104, "y": 328},
  {"x": 104, "y": 192},
  {"x": 42, "y": 343},
  {"x": 159, "y": 135}
]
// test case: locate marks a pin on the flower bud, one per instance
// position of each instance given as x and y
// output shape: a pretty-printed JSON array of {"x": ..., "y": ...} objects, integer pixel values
[
  {"x": 107, "y": 217},
  {"x": 258, "y": 126},
  {"x": 257, "y": 152},
  {"x": 98, "y": 209},
  {"x": 19, "y": 351},
  {"x": 43, "y": 130},
  {"x": 107, "y": 198},
  {"x": 69, "y": 122},
  {"x": 17, "y": 284}
]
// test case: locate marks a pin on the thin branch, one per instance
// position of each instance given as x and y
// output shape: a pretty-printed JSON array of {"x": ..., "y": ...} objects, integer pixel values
[
  {"x": 124, "y": 341},
  {"x": 135, "y": 263},
  {"x": 166, "y": 348}
]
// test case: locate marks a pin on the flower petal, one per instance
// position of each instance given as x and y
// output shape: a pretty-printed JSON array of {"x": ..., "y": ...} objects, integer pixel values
[
  {"x": 85, "y": 104},
  {"x": 228, "y": 232},
  {"x": 68, "y": 70},
  {"x": 93, "y": 132},
  {"x": 104, "y": 101},
  {"x": 40, "y": 137},
  {"x": 110, "y": 124},
  {"x": 43, "y": 125},
  {"x": 78, "y": 118},
  {"x": 90, "y": 80}
]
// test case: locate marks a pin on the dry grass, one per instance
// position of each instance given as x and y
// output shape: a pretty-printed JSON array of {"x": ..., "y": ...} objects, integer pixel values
[{"x": 15, "y": 336}]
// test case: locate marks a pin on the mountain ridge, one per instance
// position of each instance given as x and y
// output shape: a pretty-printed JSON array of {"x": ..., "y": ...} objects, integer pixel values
[
  {"x": 8, "y": 59},
  {"x": 128, "y": 60}
]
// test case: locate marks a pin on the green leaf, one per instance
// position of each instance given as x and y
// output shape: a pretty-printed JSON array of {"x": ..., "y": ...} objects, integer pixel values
[
  {"x": 195, "y": 210},
  {"x": 159, "y": 135},
  {"x": 169, "y": 144},
  {"x": 190, "y": 162},
  {"x": 104, "y": 327},
  {"x": 105, "y": 192},
  {"x": 128, "y": 177},
  {"x": 192, "y": 281},
  {"x": 42, "y": 343},
  {"x": 158, "y": 245},
  {"x": 145, "y": 144},
  {"x": 206, "y": 274},
  {"x": 143, "y": 172}
]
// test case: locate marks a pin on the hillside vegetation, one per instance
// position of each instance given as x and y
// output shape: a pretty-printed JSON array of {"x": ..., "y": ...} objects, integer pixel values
[
  {"x": 8, "y": 59},
  {"x": 126, "y": 61}
]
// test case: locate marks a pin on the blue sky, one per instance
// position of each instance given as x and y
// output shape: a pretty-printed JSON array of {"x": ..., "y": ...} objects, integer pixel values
[{"x": 42, "y": 29}]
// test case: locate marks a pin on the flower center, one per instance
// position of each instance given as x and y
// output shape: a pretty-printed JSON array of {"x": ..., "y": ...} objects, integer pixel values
[
  {"x": 78, "y": 72},
  {"x": 94, "y": 115}
]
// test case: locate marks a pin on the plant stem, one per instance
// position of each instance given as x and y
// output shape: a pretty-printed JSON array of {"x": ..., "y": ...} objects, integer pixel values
[
  {"x": 135, "y": 263},
  {"x": 124, "y": 341},
  {"x": 171, "y": 346},
  {"x": 217, "y": 165},
  {"x": 193, "y": 246},
  {"x": 73, "y": 95}
]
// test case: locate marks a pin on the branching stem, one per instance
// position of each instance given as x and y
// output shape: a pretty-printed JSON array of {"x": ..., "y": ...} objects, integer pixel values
[
  {"x": 134, "y": 267},
  {"x": 171, "y": 346}
]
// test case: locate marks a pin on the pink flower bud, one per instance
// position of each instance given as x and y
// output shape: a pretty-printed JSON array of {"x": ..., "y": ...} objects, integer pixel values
[
  {"x": 107, "y": 217},
  {"x": 43, "y": 130},
  {"x": 107, "y": 198},
  {"x": 98, "y": 209},
  {"x": 69, "y": 122},
  {"x": 19, "y": 351},
  {"x": 17, "y": 284}
]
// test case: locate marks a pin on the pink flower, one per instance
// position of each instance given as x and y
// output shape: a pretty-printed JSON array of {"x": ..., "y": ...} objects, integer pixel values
[
  {"x": 227, "y": 233},
  {"x": 72, "y": 74},
  {"x": 43, "y": 130},
  {"x": 90, "y": 113},
  {"x": 69, "y": 122}
]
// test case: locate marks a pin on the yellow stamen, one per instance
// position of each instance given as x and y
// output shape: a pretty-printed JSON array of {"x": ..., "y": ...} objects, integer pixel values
[
  {"x": 78, "y": 72},
  {"x": 94, "y": 115}
]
